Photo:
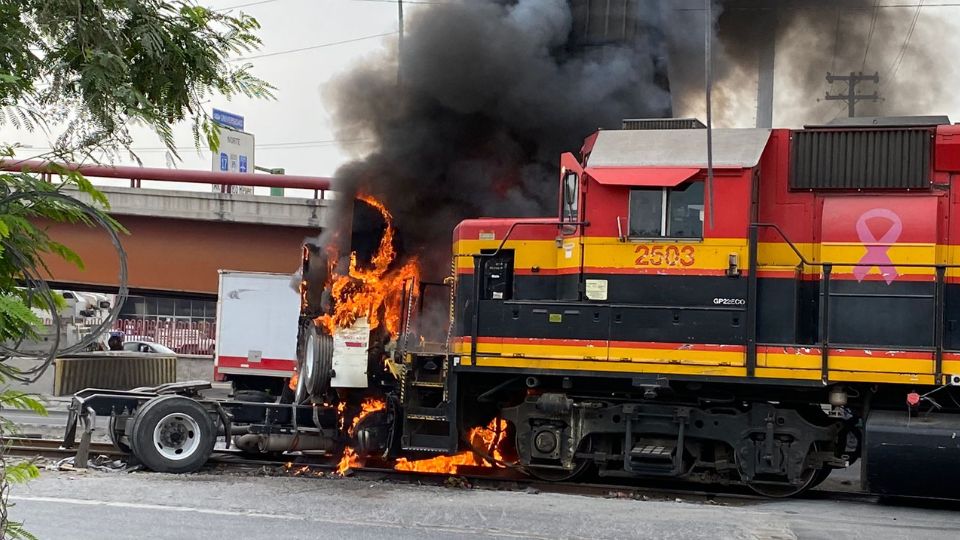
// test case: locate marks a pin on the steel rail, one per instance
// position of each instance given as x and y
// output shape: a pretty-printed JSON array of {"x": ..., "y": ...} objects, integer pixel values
[{"x": 497, "y": 478}]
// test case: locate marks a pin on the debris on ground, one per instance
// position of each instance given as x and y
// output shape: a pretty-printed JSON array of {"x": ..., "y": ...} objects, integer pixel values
[
  {"x": 457, "y": 482},
  {"x": 98, "y": 463}
]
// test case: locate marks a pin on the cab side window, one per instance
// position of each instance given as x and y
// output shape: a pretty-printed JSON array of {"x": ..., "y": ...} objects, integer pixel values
[{"x": 667, "y": 212}]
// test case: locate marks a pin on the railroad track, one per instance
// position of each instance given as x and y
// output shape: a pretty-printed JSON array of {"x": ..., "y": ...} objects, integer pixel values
[
  {"x": 312, "y": 466},
  {"x": 478, "y": 477},
  {"x": 50, "y": 448}
]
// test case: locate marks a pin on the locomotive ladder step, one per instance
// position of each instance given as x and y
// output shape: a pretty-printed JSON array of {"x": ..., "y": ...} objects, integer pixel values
[
  {"x": 426, "y": 449},
  {"x": 427, "y": 384},
  {"x": 653, "y": 451},
  {"x": 422, "y": 442},
  {"x": 427, "y": 417}
]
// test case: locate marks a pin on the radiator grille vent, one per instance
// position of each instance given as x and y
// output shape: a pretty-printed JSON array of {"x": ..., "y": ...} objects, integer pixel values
[
  {"x": 861, "y": 159},
  {"x": 662, "y": 123}
]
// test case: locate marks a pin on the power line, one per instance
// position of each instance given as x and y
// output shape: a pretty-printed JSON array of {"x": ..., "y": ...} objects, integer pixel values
[
  {"x": 799, "y": 7},
  {"x": 264, "y": 146},
  {"x": 873, "y": 26},
  {"x": 898, "y": 60},
  {"x": 425, "y": 2},
  {"x": 248, "y": 4},
  {"x": 312, "y": 47},
  {"x": 836, "y": 41}
]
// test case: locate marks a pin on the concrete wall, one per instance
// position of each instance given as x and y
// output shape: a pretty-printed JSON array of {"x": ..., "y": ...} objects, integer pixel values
[{"x": 204, "y": 206}]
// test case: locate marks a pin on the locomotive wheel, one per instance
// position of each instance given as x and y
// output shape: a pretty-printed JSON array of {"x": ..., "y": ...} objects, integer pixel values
[
  {"x": 173, "y": 434},
  {"x": 315, "y": 364},
  {"x": 558, "y": 475},
  {"x": 778, "y": 490},
  {"x": 562, "y": 475},
  {"x": 116, "y": 434}
]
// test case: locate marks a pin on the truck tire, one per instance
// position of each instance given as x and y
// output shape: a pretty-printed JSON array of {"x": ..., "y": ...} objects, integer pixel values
[
  {"x": 173, "y": 434},
  {"x": 116, "y": 432},
  {"x": 316, "y": 367}
]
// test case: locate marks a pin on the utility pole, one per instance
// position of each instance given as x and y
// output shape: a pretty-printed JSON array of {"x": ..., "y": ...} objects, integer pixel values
[
  {"x": 766, "y": 54},
  {"x": 852, "y": 97}
]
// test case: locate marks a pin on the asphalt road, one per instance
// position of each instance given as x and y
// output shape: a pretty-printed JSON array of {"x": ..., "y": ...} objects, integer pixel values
[{"x": 97, "y": 506}]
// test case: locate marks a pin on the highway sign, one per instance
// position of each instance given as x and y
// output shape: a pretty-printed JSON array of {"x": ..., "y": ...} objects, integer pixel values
[
  {"x": 230, "y": 120},
  {"x": 235, "y": 154}
]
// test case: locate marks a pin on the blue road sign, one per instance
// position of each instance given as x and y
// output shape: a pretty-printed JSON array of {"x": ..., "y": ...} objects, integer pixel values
[
  {"x": 224, "y": 162},
  {"x": 243, "y": 163},
  {"x": 230, "y": 120}
]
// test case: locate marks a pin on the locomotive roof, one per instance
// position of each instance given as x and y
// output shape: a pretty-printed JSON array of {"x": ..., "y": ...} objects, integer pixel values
[{"x": 732, "y": 148}]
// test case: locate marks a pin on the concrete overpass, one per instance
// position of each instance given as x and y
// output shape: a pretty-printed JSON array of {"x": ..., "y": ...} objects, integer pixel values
[{"x": 179, "y": 239}]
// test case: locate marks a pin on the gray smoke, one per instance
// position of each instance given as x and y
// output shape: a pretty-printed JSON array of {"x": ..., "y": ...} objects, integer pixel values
[
  {"x": 907, "y": 44},
  {"x": 493, "y": 91},
  {"x": 491, "y": 94}
]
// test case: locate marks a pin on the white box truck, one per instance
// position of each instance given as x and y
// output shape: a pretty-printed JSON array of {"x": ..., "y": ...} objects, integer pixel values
[{"x": 257, "y": 320}]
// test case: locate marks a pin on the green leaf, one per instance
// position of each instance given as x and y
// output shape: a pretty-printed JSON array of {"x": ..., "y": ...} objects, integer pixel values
[
  {"x": 21, "y": 400},
  {"x": 15, "y": 530},
  {"x": 20, "y": 473},
  {"x": 16, "y": 319},
  {"x": 65, "y": 253}
]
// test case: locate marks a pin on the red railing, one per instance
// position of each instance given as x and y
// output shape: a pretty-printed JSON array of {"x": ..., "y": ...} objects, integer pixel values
[{"x": 184, "y": 337}]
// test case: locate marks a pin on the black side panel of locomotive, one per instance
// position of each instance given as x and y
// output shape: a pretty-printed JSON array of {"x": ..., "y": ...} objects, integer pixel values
[
  {"x": 685, "y": 309},
  {"x": 900, "y": 314},
  {"x": 778, "y": 305},
  {"x": 554, "y": 321},
  {"x": 951, "y": 317}
]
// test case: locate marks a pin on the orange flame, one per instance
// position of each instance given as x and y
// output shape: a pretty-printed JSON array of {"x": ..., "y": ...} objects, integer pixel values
[
  {"x": 487, "y": 439},
  {"x": 350, "y": 459},
  {"x": 375, "y": 292},
  {"x": 305, "y": 258},
  {"x": 294, "y": 379}
]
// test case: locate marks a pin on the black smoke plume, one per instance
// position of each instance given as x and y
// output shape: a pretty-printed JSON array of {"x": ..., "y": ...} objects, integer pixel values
[{"x": 491, "y": 92}]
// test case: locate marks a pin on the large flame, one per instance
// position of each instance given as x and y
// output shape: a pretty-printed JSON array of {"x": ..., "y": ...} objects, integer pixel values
[
  {"x": 370, "y": 405},
  {"x": 486, "y": 441},
  {"x": 375, "y": 291}
]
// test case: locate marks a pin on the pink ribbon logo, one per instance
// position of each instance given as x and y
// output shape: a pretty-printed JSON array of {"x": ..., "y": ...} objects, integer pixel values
[{"x": 877, "y": 248}]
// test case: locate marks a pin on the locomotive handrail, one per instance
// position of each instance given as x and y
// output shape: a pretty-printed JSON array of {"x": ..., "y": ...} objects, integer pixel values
[
  {"x": 513, "y": 225},
  {"x": 804, "y": 260},
  {"x": 478, "y": 257},
  {"x": 824, "y": 324}
]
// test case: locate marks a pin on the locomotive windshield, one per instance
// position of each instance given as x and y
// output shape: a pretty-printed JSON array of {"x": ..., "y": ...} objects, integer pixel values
[{"x": 667, "y": 212}]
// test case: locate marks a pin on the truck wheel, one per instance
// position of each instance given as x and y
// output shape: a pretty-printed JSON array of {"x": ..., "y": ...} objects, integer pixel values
[
  {"x": 116, "y": 433},
  {"x": 173, "y": 434},
  {"x": 317, "y": 365}
]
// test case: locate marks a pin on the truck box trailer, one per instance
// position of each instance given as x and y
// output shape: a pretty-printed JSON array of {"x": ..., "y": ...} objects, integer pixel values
[{"x": 257, "y": 322}]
